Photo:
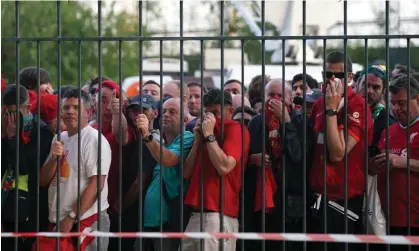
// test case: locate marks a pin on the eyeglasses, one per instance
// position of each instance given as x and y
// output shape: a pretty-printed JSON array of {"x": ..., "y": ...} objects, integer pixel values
[{"x": 339, "y": 75}]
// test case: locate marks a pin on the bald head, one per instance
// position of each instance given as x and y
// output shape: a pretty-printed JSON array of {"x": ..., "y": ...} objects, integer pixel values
[
  {"x": 273, "y": 89},
  {"x": 172, "y": 89},
  {"x": 171, "y": 116},
  {"x": 172, "y": 102}
]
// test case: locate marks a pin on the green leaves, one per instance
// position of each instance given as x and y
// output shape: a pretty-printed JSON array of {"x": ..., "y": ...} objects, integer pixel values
[{"x": 39, "y": 20}]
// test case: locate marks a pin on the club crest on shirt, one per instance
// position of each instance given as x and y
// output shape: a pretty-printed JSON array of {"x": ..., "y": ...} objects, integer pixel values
[{"x": 354, "y": 117}]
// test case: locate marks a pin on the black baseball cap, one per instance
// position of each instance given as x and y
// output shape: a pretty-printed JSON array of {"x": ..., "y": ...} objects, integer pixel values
[
  {"x": 213, "y": 97},
  {"x": 313, "y": 95},
  {"x": 147, "y": 101},
  {"x": 9, "y": 95}
]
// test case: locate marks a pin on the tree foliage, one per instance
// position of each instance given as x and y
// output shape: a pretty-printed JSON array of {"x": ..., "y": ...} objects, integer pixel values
[{"x": 39, "y": 20}]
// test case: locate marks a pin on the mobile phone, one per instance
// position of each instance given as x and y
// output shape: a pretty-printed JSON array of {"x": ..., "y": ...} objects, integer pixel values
[{"x": 373, "y": 151}]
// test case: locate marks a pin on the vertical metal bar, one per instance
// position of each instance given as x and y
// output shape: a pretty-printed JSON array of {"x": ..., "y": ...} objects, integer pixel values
[
  {"x": 17, "y": 121},
  {"x": 78, "y": 143},
  {"x": 387, "y": 120},
  {"x": 121, "y": 140},
  {"x": 140, "y": 139},
  {"x": 100, "y": 127},
  {"x": 38, "y": 137},
  {"x": 263, "y": 230},
  {"x": 366, "y": 205},
  {"x": 242, "y": 223},
  {"x": 324, "y": 148},
  {"x": 345, "y": 123},
  {"x": 221, "y": 247},
  {"x": 201, "y": 168},
  {"x": 182, "y": 115},
  {"x": 407, "y": 140},
  {"x": 59, "y": 116},
  {"x": 283, "y": 163},
  {"x": 304, "y": 180},
  {"x": 161, "y": 141}
]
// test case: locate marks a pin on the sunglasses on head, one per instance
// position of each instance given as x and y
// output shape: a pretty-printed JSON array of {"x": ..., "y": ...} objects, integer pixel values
[{"x": 339, "y": 75}]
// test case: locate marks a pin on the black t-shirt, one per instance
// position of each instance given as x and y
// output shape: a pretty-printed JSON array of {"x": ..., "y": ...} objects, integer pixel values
[
  {"x": 131, "y": 160},
  {"x": 380, "y": 125}
]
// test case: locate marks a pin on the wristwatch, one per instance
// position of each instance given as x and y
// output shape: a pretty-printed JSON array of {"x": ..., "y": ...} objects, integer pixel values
[
  {"x": 210, "y": 138},
  {"x": 148, "y": 138},
  {"x": 73, "y": 216},
  {"x": 331, "y": 112}
]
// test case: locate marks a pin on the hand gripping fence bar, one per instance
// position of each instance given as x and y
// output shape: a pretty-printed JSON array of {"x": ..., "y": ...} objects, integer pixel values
[{"x": 337, "y": 238}]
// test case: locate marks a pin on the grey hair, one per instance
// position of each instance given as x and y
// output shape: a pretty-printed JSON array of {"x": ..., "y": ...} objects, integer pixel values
[{"x": 402, "y": 82}]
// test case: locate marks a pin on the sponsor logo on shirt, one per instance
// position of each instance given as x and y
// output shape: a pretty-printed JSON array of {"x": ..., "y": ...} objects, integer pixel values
[{"x": 397, "y": 151}]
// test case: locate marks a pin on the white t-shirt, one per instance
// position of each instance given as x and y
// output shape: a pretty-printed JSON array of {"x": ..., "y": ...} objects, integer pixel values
[{"x": 69, "y": 172}]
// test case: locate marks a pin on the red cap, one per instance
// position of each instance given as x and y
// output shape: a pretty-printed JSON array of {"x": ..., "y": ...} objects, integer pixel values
[
  {"x": 3, "y": 84},
  {"x": 111, "y": 85},
  {"x": 33, "y": 100},
  {"x": 48, "y": 107}
]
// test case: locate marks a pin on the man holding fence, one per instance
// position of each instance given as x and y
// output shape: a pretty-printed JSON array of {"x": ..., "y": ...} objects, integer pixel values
[{"x": 90, "y": 178}]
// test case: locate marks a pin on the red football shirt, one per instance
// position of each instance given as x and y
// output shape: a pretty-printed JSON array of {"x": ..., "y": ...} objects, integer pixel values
[
  {"x": 397, "y": 144},
  {"x": 232, "y": 182},
  {"x": 335, "y": 177}
]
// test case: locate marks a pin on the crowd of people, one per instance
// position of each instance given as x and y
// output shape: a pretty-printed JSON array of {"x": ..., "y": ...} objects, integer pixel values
[{"x": 69, "y": 175}]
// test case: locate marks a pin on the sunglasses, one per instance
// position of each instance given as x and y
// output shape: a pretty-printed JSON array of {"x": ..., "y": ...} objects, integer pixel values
[{"x": 339, "y": 75}]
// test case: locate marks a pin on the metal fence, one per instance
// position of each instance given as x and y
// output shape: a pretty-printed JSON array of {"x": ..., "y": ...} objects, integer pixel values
[{"x": 59, "y": 39}]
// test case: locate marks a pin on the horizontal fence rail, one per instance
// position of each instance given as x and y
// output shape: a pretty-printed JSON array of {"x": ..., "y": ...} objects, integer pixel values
[{"x": 207, "y": 38}]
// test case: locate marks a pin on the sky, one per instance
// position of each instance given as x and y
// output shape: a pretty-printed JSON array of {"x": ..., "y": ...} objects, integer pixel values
[{"x": 323, "y": 13}]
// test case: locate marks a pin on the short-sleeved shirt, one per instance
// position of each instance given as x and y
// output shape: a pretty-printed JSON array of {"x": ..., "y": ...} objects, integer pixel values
[
  {"x": 171, "y": 177},
  {"x": 232, "y": 147},
  {"x": 69, "y": 172},
  {"x": 335, "y": 178},
  {"x": 397, "y": 144}
]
